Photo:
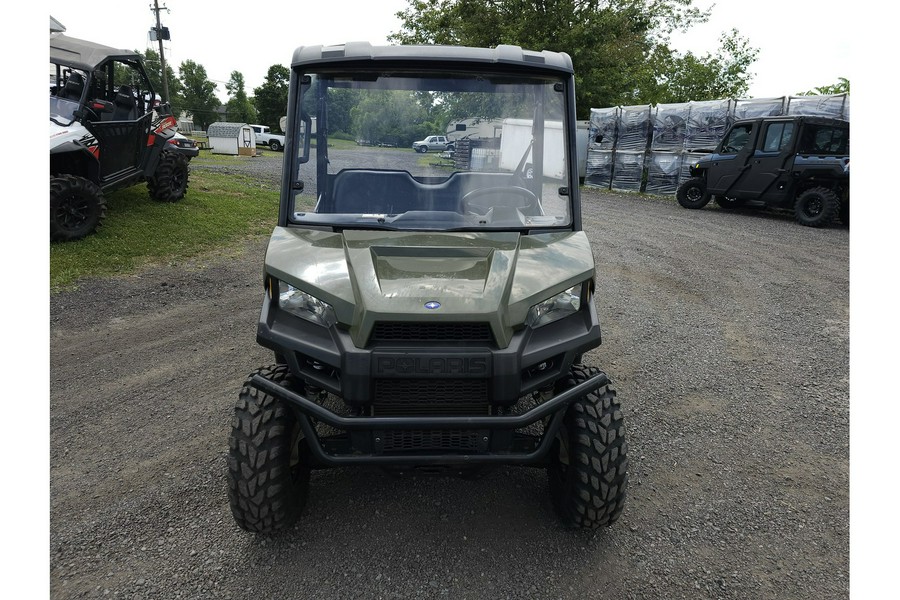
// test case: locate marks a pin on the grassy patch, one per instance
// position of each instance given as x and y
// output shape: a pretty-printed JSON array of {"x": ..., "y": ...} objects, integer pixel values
[
  {"x": 431, "y": 160},
  {"x": 218, "y": 211}
]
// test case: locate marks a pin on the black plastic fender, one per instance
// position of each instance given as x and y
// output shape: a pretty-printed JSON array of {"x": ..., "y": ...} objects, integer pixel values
[
  {"x": 72, "y": 158},
  {"x": 160, "y": 144}
]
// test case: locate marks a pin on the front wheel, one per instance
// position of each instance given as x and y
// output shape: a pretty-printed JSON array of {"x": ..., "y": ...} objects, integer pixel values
[
  {"x": 422, "y": 149},
  {"x": 816, "y": 207},
  {"x": 170, "y": 181},
  {"x": 268, "y": 472},
  {"x": 692, "y": 193},
  {"x": 845, "y": 212},
  {"x": 588, "y": 470},
  {"x": 77, "y": 208},
  {"x": 275, "y": 145}
]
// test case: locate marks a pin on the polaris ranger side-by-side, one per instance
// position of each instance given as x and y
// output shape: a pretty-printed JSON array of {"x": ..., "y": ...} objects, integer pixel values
[
  {"x": 107, "y": 131},
  {"x": 425, "y": 316},
  {"x": 799, "y": 163}
]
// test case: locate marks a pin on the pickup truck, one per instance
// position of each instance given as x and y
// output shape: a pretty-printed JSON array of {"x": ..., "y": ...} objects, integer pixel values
[
  {"x": 434, "y": 142},
  {"x": 264, "y": 137}
]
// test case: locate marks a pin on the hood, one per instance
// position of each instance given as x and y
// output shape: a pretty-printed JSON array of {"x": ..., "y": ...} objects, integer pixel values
[
  {"x": 376, "y": 276},
  {"x": 59, "y": 134},
  {"x": 706, "y": 158}
]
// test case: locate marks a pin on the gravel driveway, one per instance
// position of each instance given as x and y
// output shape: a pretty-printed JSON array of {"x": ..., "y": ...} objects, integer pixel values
[{"x": 727, "y": 337}]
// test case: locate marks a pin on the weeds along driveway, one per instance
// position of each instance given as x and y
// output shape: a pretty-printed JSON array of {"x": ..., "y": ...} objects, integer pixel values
[{"x": 727, "y": 337}]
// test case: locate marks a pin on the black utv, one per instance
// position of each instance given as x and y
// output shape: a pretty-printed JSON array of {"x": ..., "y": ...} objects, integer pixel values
[{"x": 798, "y": 163}]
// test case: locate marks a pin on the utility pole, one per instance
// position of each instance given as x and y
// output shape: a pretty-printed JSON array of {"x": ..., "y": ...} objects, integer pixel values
[{"x": 160, "y": 35}]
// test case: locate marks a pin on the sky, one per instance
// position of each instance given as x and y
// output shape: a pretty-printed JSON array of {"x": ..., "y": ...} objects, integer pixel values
[{"x": 800, "y": 46}]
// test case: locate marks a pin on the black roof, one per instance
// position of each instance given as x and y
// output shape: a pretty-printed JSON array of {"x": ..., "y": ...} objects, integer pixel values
[
  {"x": 81, "y": 54},
  {"x": 363, "y": 52}
]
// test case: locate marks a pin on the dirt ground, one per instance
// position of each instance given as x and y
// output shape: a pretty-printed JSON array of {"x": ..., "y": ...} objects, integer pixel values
[{"x": 725, "y": 333}]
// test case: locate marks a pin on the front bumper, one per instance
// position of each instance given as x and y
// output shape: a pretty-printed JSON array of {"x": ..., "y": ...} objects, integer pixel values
[
  {"x": 188, "y": 151},
  {"x": 497, "y": 442}
]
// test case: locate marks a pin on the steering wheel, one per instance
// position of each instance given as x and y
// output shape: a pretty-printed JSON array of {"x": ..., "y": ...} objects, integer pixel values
[
  {"x": 531, "y": 201},
  {"x": 89, "y": 113}
]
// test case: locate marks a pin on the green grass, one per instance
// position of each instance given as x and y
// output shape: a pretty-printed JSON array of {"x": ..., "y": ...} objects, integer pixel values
[
  {"x": 342, "y": 144},
  {"x": 218, "y": 212}
]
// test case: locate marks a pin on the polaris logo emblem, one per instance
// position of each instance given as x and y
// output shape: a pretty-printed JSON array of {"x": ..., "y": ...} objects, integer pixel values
[{"x": 432, "y": 305}]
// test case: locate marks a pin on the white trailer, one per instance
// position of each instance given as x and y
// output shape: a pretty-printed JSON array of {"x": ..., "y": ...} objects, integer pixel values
[
  {"x": 474, "y": 128},
  {"x": 516, "y": 137},
  {"x": 516, "y": 141}
]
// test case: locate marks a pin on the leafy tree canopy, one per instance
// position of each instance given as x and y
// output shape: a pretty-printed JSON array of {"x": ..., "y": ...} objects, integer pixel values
[
  {"x": 152, "y": 66},
  {"x": 199, "y": 92},
  {"x": 685, "y": 77},
  {"x": 239, "y": 109},
  {"x": 619, "y": 47},
  {"x": 271, "y": 97},
  {"x": 841, "y": 87},
  {"x": 391, "y": 117}
]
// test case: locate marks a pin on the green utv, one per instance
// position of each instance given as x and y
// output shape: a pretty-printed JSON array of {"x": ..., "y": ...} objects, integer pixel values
[{"x": 424, "y": 316}]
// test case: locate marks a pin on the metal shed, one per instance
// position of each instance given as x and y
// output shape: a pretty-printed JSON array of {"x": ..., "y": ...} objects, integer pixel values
[{"x": 232, "y": 138}]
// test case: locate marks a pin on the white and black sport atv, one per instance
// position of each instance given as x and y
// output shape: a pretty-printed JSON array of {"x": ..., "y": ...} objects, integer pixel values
[{"x": 107, "y": 131}]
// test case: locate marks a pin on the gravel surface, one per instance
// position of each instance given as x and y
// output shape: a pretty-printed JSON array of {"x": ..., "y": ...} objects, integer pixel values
[{"x": 727, "y": 337}]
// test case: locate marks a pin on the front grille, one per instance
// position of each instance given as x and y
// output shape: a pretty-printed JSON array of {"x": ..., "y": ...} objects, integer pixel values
[
  {"x": 437, "y": 397},
  {"x": 432, "y": 332},
  {"x": 430, "y": 440}
]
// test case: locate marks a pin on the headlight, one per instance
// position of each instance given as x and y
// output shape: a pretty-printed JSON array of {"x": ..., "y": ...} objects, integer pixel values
[
  {"x": 305, "y": 306},
  {"x": 555, "y": 308}
]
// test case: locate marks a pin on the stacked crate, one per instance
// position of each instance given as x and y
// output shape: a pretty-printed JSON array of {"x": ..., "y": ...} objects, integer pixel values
[
  {"x": 667, "y": 147},
  {"x": 601, "y": 143},
  {"x": 836, "y": 106},
  {"x": 651, "y": 149},
  {"x": 633, "y": 129}
]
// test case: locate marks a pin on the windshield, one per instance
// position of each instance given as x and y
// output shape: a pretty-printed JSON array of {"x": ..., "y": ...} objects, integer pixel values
[
  {"x": 66, "y": 88},
  {"x": 434, "y": 152},
  {"x": 62, "y": 110}
]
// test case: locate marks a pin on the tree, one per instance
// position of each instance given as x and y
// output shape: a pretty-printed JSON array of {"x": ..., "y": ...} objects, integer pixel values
[
  {"x": 239, "y": 109},
  {"x": 841, "y": 87},
  {"x": 681, "y": 78},
  {"x": 199, "y": 92},
  {"x": 388, "y": 117},
  {"x": 152, "y": 66},
  {"x": 271, "y": 97},
  {"x": 617, "y": 46}
]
